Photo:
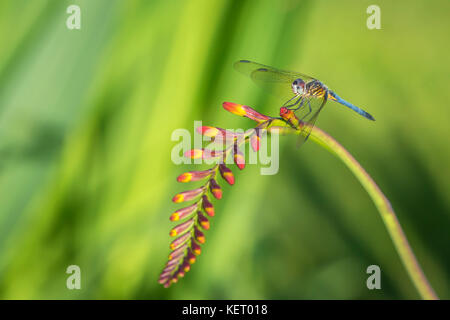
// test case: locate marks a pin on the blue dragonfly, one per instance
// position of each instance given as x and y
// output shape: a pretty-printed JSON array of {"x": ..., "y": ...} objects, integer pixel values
[{"x": 302, "y": 95}]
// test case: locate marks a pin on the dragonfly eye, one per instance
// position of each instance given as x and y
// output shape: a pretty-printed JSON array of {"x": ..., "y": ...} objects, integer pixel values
[{"x": 298, "y": 86}]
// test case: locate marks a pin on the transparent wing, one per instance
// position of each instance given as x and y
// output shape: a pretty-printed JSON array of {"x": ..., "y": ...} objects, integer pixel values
[
  {"x": 308, "y": 113},
  {"x": 276, "y": 81}
]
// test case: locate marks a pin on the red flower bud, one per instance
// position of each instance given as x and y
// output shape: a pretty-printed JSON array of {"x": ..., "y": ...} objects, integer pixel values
[
  {"x": 226, "y": 173},
  {"x": 203, "y": 153},
  {"x": 180, "y": 241},
  {"x": 194, "y": 175},
  {"x": 175, "y": 261},
  {"x": 199, "y": 236},
  {"x": 215, "y": 189},
  {"x": 244, "y": 111},
  {"x": 186, "y": 265},
  {"x": 196, "y": 249},
  {"x": 187, "y": 195},
  {"x": 239, "y": 158},
  {"x": 178, "y": 252},
  {"x": 164, "y": 279},
  {"x": 194, "y": 153},
  {"x": 169, "y": 269},
  {"x": 181, "y": 228},
  {"x": 180, "y": 273},
  {"x": 255, "y": 141},
  {"x": 207, "y": 206},
  {"x": 191, "y": 257},
  {"x": 183, "y": 212},
  {"x": 203, "y": 221},
  {"x": 208, "y": 131}
]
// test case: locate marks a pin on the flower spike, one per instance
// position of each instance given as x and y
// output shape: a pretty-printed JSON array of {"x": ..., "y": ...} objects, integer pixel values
[{"x": 189, "y": 234}]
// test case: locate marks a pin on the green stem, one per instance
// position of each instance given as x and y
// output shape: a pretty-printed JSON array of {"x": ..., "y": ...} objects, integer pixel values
[{"x": 384, "y": 207}]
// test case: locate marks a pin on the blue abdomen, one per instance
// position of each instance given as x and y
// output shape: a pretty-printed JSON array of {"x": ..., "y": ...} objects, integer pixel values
[{"x": 351, "y": 106}]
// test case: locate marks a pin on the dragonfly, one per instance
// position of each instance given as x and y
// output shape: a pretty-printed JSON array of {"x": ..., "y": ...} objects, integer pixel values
[{"x": 303, "y": 96}]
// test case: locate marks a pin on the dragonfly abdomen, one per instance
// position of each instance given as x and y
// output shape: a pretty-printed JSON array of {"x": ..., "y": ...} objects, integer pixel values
[{"x": 335, "y": 97}]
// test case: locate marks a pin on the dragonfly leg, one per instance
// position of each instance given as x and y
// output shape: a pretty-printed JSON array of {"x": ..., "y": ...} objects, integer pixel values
[
  {"x": 295, "y": 103},
  {"x": 301, "y": 104},
  {"x": 310, "y": 110},
  {"x": 309, "y": 107},
  {"x": 284, "y": 104}
]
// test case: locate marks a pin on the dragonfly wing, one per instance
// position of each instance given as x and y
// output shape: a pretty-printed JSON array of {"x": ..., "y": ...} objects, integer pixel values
[
  {"x": 276, "y": 81},
  {"x": 308, "y": 114}
]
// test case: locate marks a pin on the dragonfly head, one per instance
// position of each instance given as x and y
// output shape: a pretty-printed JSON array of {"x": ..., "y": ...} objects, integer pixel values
[{"x": 298, "y": 86}]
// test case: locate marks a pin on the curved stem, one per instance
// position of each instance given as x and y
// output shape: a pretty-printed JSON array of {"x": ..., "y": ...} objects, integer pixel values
[{"x": 384, "y": 207}]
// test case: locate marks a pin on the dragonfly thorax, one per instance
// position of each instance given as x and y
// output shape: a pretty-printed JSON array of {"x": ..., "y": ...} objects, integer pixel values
[
  {"x": 316, "y": 88},
  {"x": 298, "y": 86}
]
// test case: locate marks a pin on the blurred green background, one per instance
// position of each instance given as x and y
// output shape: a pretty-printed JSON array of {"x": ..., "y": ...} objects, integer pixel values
[{"x": 86, "y": 176}]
